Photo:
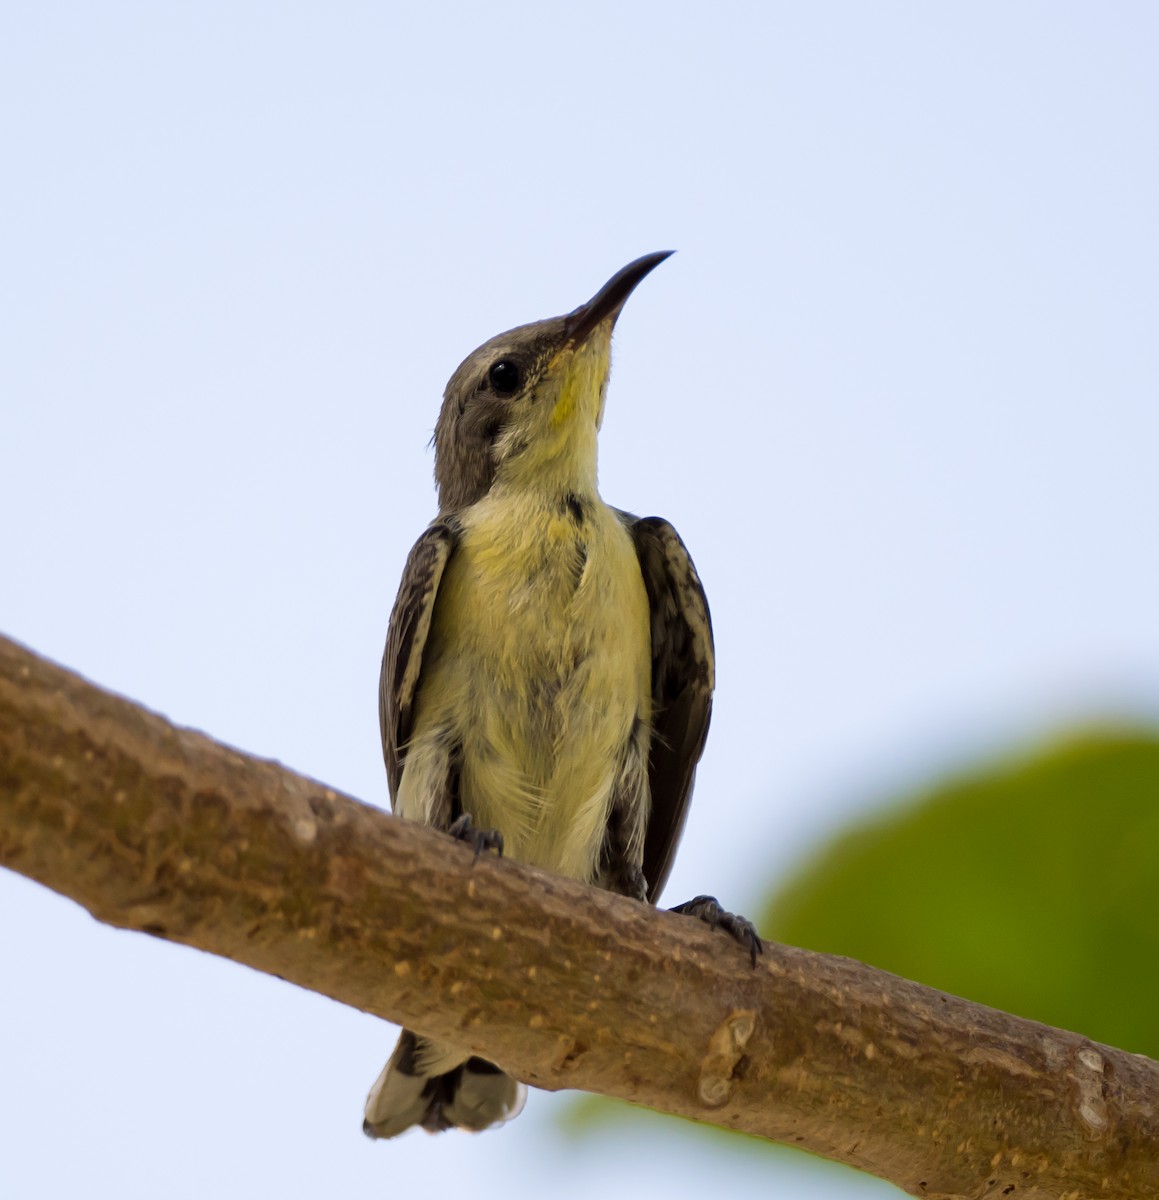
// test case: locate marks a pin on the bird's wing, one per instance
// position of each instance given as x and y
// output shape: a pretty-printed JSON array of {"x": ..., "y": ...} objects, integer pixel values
[
  {"x": 410, "y": 623},
  {"x": 683, "y": 676}
]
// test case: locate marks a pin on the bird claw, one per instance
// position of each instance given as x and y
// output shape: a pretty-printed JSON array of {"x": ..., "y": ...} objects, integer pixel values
[
  {"x": 463, "y": 830},
  {"x": 740, "y": 929}
]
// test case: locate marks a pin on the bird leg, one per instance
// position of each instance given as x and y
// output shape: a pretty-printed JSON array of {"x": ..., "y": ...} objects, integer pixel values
[
  {"x": 462, "y": 829},
  {"x": 707, "y": 909}
]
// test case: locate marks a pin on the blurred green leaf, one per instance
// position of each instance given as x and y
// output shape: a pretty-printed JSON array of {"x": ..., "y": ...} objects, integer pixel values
[{"x": 1032, "y": 886}]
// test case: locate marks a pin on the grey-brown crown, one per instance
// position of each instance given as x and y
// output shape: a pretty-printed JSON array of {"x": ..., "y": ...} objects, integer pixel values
[{"x": 478, "y": 407}]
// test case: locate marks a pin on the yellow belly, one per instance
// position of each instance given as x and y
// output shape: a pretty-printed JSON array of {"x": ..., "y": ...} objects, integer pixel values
[{"x": 539, "y": 664}]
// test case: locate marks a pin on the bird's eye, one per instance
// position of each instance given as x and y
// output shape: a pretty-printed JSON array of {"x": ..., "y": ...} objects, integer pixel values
[{"x": 505, "y": 376}]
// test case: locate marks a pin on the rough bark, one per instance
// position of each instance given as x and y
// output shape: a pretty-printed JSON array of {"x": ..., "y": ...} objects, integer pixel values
[{"x": 160, "y": 829}]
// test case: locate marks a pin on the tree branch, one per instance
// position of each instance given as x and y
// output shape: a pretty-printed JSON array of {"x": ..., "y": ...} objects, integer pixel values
[{"x": 160, "y": 829}]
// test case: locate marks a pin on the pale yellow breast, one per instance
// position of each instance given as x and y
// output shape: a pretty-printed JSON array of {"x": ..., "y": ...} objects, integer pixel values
[{"x": 539, "y": 660}]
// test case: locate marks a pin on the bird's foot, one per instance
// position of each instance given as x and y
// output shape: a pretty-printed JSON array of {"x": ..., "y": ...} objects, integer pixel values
[
  {"x": 625, "y": 880},
  {"x": 706, "y": 909},
  {"x": 463, "y": 830}
]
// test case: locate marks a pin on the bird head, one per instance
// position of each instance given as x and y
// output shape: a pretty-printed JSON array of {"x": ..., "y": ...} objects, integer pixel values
[{"x": 523, "y": 410}]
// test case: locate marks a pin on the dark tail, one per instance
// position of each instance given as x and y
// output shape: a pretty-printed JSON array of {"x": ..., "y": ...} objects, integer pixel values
[{"x": 438, "y": 1087}]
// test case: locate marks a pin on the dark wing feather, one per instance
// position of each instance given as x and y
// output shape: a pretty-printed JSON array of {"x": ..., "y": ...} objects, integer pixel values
[
  {"x": 410, "y": 622},
  {"x": 683, "y": 676}
]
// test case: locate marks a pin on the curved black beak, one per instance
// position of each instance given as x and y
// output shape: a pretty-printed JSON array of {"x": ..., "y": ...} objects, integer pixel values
[{"x": 608, "y": 301}]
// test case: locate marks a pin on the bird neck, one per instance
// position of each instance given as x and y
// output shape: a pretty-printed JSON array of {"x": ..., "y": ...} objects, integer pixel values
[
  {"x": 558, "y": 462},
  {"x": 554, "y": 455}
]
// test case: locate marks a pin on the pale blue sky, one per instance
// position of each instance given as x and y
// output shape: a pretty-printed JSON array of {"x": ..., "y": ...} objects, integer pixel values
[{"x": 899, "y": 390}]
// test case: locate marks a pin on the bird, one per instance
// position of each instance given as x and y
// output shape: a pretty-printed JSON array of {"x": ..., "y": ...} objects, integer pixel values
[{"x": 547, "y": 681}]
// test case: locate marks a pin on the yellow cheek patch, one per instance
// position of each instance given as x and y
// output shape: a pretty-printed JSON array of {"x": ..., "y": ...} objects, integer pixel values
[{"x": 583, "y": 378}]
